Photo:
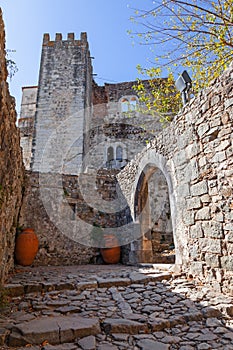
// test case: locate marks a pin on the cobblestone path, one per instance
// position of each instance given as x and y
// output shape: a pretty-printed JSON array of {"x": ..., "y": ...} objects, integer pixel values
[{"x": 113, "y": 307}]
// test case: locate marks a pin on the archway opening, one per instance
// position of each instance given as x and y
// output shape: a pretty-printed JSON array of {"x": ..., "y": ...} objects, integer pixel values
[{"x": 153, "y": 213}]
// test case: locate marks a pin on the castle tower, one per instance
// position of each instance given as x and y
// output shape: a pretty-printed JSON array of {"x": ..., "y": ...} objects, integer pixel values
[{"x": 64, "y": 93}]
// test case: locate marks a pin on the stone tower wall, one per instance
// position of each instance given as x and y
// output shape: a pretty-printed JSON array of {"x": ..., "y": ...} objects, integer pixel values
[{"x": 64, "y": 92}]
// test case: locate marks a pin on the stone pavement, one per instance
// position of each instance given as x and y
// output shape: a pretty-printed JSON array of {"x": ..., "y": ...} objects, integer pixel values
[{"x": 110, "y": 307}]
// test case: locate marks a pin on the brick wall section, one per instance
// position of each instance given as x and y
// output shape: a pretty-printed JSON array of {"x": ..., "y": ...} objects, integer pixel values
[
  {"x": 195, "y": 155},
  {"x": 11, "y": 167}
]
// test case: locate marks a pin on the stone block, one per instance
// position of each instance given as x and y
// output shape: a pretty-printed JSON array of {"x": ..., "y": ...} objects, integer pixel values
[
  {"x": 219, "y": 157},
  {"x": 54, "y": 330},
  {"x": 227, "y": 263},
  {"x": 229, "y": 237},
  {"x": 215, "y": 122},
  {"x": 203, "y": 214},
  {"x": 228, "y": 103},
  {"x": 149, "y": 344},
  {"x": 212, "y": 260},
  {"x": 87, "y": 284},
  {"x": 196, "y": 268},
  {"x": 202, "y": 161},
  {"x": 212, "y": 229},
  {"x": 180, "y": 158},
  {"x": 32, "y": 287},
  {"x": 109, "y": 282},
  {"x": 199, "y": 189},
  {"x": 202, "y": 129},
  {"x": 159, "y": 324},
  {"x": 194, "y": 251},
  {"x": 210, "y": 245},
  {"x": 188, "y": 217},
  {"x": 196, "y": 231},
  {"x": 88, "y": 343},
  {"x": 192, "y": 150},
  {"x": 120, "y": 325},
  {"x": 205, "y": 198},
  {"x": 219, "y": 217},
  {"x": 228, "y": 227},
  {"x": 194, "y": 203},
  {"x": 183, "y": 190},
  {"x": 223, "y": 145},
  {"x": 229, "y": 248},
  {"x": 191, "y": 171},
  {"x": 14, "y": 290}
]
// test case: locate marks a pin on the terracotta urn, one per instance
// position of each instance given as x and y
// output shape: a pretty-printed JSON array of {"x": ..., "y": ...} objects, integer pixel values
[
  {"x": 26, "y": 247},
  {"x": 111, "y": 253}
]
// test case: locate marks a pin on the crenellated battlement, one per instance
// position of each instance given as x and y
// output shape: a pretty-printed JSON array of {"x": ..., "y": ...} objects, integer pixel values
[{"x": 70, "y": 38}]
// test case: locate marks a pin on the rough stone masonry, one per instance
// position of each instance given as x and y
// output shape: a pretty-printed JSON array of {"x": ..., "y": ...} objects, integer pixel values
[
  {"x": 11, "y": 167},
  {"x": 195, "y": 155}
]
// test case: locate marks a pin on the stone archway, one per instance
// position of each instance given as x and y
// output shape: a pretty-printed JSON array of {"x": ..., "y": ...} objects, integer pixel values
[
  {"x": 152, "y": 212},
  {"x": 147, "y": 165}
]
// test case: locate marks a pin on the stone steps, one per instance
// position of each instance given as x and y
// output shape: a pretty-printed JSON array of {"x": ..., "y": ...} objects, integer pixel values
[
  {"x": 55, "y": 330},
  {"x": 18, "y": 289},
  {"x": 62, "y": 330},
  {"x": 139, "y": 310}
]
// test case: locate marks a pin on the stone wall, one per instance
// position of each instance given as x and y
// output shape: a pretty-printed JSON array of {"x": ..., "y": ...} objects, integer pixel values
[
  {"x": 60, "y": 236},
  {"x": 26, "y": 122},
  {"x": 11, "y": 167},
  {"x": 55, "y": 248},
  {"x": 64, "y": 95},
  {"x": 195, "y": 155}
]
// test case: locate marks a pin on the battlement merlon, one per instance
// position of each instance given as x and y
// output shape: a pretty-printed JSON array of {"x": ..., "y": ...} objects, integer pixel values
[{"x": 70, "y": 38}]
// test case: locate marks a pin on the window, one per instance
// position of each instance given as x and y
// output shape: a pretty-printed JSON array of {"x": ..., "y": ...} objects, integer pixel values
[
  {"x": 124, "y": 105},
  {"x": 116, "y": 156},
  {"x": 133, "y": 103},
  {"x": 119, "y": 153},
  {"x": 110, "y": 154},
  {"x": 128, "y": 104}
]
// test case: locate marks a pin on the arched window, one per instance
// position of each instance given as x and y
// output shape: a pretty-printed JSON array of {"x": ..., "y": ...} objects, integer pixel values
[
  {"x": 119, "y": 153},
  {"x": 124, "y": 105},
  {"x": 110, "y": 154},
  {"x": 133, "y": 103}
]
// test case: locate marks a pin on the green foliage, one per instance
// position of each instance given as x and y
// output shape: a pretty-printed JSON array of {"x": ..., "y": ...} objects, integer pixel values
[
  {"x": 194, "y": 35},
  {"x": 157, "y": 99}
]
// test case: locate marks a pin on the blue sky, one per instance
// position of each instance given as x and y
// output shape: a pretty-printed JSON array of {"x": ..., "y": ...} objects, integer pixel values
[{"x": 106, "y": 23}]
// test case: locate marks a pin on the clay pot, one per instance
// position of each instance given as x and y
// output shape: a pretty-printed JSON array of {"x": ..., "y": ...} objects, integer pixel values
[
  {"x": 111, "y": 254},
  {"x": 26, "y": 247}
]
